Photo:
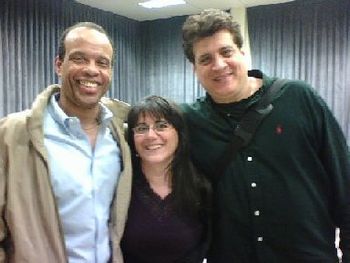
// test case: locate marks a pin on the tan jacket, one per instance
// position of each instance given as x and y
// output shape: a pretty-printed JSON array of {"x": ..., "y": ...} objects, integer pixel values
[{"x": 30, "y": 228}]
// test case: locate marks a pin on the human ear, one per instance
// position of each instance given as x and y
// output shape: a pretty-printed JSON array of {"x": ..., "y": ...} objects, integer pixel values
[{"x": 58, "y": 66}]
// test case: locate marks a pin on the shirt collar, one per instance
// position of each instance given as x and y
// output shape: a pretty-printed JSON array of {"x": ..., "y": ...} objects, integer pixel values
[{"x": 62, "y": 118}]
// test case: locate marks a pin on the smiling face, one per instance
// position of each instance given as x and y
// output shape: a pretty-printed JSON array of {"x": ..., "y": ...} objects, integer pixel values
[
  {"x": 221, "y": 67},
  {"x": 85, "y": 70},
  {"x": 155, "y": 147}
]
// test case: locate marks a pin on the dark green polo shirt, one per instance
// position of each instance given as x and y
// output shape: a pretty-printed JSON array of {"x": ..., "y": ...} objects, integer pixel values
[{"x": 283, "y": 195}]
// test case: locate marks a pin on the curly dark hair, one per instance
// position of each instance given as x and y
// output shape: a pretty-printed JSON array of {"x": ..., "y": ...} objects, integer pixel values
[
  {"x": 205, "y": 24},
  {"x": 190, "y": 189},
  {"x": 61, "y": 45}
]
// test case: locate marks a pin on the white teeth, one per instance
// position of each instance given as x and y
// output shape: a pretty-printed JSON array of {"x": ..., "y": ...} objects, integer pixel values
[
  {"x": 88, "y": 83},
  {"x": 153, "y": 147}
]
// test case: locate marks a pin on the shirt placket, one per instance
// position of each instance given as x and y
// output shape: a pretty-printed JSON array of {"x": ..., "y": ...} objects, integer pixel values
[{"x": 255, "y": 195}]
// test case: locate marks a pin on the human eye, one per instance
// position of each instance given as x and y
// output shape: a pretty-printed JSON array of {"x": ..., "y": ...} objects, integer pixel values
[
  {"x": 204, "y": 60},
  {"x": 104, "y": 63},
  {"x": 227, "y": 52},
  {"x": 78, "y": 59},
  {"x": 161, "y": 125},
  {"x": 141, "y": 129}
]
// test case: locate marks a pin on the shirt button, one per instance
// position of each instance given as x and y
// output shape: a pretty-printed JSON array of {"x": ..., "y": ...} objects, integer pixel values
[
  {"x": 249, "y": 159},
  {"x": 260, "y": 239},
  {"x": 253, "y": 185},
  {"x": 257, "y": 213}
]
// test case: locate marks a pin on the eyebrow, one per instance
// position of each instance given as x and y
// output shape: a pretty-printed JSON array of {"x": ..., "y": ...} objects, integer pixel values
[{"x": 80, "y": 53}]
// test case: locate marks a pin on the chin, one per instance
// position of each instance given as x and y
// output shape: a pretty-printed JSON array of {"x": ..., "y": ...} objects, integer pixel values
[
  {"x": 156, "y": 161},
  {"x": 89, "y": 100}
]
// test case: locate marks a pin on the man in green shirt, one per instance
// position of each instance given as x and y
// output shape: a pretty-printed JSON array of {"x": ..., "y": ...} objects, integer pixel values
[{"x": 284, "y": 194}]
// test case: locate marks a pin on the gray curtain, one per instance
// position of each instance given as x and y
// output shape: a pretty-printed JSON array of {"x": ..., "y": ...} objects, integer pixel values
[
  {"x": 165, "y": 69},
  {"x": 149, "y": 57},
  {"x": 308, "y": 40},
  {"x": 29, "y": 32}
]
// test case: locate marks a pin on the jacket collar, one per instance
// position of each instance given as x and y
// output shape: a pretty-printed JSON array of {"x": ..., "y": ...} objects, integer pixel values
[
  {"x": 36, "y": 116},
  {"x": 35, "y": 119}
]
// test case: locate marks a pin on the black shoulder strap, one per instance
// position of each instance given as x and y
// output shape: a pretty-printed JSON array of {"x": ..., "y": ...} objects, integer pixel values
[{"x": 246, "y": 128}]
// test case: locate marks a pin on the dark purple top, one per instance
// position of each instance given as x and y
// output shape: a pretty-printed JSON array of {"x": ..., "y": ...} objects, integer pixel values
[{"x": 154, "y": 232}]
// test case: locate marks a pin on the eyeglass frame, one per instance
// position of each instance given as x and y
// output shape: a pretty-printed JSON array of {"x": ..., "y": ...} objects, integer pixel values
[{"x": 155, "y": 127}]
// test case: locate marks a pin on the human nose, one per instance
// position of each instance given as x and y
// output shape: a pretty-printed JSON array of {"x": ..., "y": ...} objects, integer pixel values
[
  {"x": 151, "y": 132},
  {"x": 219, "y": 63},
  {"x": 91, "y": 68}
]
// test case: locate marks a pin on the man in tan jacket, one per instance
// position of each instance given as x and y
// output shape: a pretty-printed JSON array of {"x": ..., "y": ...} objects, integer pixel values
[{"x": 65, "y": 169}]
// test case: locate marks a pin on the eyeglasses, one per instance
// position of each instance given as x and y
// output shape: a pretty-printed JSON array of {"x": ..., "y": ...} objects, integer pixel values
[{"x": 158, "y": 126}]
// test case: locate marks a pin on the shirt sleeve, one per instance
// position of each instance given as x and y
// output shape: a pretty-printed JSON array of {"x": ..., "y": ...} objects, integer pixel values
[{"x": 334, "y": 154}]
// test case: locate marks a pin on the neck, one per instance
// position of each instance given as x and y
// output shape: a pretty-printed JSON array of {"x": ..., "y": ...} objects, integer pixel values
[
  {"x": 88, "y": 117},
  {"x": 254, "y": 85},
  {"x": 247, "y": 89},
  {"x": 158, "y": 177}
]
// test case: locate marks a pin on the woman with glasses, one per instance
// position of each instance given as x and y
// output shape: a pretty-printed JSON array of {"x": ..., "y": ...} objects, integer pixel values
[{"x": 169, "y": 209}]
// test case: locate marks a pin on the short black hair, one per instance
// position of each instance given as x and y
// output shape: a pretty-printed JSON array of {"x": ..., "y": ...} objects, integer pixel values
[
  {"x": 206, "y": 24},
  {"x": 61, "y": 44}
]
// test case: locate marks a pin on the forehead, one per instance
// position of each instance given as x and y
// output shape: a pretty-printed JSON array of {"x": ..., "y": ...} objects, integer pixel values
[
  {"x": 149, "y": 117},
  {"x": 217, "y": 40},
  {"x": 88, "y": 38}
]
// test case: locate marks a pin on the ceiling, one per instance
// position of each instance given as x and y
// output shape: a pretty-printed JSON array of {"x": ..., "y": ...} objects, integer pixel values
[{"x": 131, "y": 9}]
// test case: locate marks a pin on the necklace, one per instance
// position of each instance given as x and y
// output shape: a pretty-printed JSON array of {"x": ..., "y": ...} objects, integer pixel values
[{"x": 94, "y": 126}]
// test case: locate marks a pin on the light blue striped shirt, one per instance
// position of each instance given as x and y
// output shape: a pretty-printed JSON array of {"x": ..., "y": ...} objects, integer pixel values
[{"x": 83, "y": 180}]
